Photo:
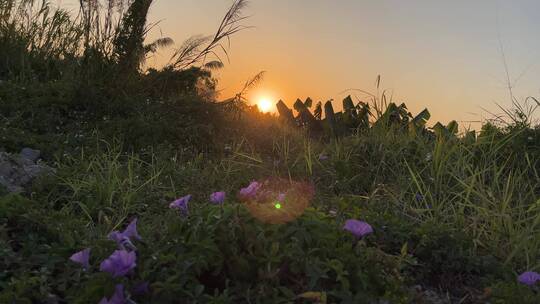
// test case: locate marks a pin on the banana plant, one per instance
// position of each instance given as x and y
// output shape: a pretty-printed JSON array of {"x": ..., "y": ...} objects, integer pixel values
[
  {"x": 318, "y": 111},
  {"x": 284, "y": 112},
  {"x": 348, "y": 107},
  {"x": 446, "y": 132},
  {"x": 364, "y": 113},
  {"x": 305, "y": 118},
  {"x": 350, "y": 116},
  {"x": 356, "y": 117},
  {"x": 308, "y": 103},
  {"x": 418, "y": 123},
  {"x": 330, "y": 117},
  {"x": 394, "y": 116}
]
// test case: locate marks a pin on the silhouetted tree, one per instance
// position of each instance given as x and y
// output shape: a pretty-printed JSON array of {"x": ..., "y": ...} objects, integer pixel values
[{"x": 129, "y": 44}]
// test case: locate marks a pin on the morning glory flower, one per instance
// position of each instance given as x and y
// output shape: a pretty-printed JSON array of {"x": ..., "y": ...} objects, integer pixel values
[
  {"x": 529, "y": 278},
  {"x": 181, "y": 203},
  {"x": 358, "y": 228},
  {"x": 117, "y": 297},
  {"x": 217, "y": 197},
  {"x": 82, "y": 257},
  {"x": 251, "y": 190},
  {"x": 123, "y": 239},
  {"x": 119, "y": 263}
]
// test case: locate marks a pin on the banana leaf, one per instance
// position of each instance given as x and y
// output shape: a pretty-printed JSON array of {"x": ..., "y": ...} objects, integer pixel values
[
  {"x": 446, "y": 132},
  {"x": 350, "y": 116},
  {"x": 330, "y": 117},
  {"x": 284, "y": 112},
  {"x": 364, "y": 112},
  {"x": 416, "y": 125},
  {"x": 305, "y": 118},
  {"x": 348, "y": 106},
  {"x": 422, "y": 118},
  {"x": 308, "y": 103},
  {"x": 318, "y": 111},
  {"x": 453, "y": 127}
]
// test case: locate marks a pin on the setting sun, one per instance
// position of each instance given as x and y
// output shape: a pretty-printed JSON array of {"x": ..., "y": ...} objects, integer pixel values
[{"x": 265, "y": 105}]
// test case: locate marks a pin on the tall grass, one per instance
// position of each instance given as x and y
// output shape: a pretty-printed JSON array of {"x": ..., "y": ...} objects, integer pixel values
[
  {"x": 487, "y": 186},
  {"x": 488, "y": 189},
  {"x": 34, "y": 37},
  {"x": 490, "y": 194}
]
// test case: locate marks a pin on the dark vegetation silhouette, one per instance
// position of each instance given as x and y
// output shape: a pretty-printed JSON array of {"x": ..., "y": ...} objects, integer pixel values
[
  {"x": 455, "y": 213},
  {"x": 91, "y": 67}
]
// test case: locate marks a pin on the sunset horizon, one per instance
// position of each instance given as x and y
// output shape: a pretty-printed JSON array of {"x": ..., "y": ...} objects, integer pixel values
[
  {"x": 348, "y": 46},
  {"x": 415, "y": 70}
]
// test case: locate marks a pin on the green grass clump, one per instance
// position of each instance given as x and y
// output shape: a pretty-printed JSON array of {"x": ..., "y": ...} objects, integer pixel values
[{"x": 222, "y": 253}]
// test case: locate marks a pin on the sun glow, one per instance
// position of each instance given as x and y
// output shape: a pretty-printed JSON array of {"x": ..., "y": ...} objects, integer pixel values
[{"x": 264, "y": 104}]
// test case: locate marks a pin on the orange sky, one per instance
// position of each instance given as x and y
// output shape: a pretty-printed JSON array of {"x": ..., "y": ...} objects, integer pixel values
[{"x": 443, "y": 55}]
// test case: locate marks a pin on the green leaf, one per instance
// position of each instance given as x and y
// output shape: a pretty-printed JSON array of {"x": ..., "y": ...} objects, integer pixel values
[{"x": 308, "y": 103}]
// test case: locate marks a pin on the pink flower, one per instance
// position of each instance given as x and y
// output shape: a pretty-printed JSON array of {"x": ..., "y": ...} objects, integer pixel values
[
  {"x": 529, "y": 278},
  {"x": 123, "y": 239},
  {"x": 217, "y": 197},
  {"x": 181, "y": 204},
  {"x": 82, "y": 257},
  {"x": 119, "y": 263},
  {"x": 251, "y": 190},
  {"x": 358, "y": 228}
]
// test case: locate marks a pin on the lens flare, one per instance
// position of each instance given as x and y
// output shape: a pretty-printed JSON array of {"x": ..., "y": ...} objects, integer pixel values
[{"x": 277, "y": 201}]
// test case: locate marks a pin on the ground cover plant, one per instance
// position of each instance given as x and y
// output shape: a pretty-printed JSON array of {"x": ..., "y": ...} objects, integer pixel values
[{"x": 161, "y": 194}]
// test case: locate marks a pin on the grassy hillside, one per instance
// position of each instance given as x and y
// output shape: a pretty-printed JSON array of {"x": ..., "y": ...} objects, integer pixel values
[{"x": 445, "y": 217}]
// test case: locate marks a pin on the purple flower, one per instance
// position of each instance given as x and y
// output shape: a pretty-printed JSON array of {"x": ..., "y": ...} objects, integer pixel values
[
  {"x": 117, "y": 297},
  {"x": 123, "y": 239},
  {"x": 251, "y": 190},
  {"x": 323, "y": 157},
  {"x": 281, "y": 197},
  {"x": 119, "y": 263},
  {"x": 181, "y": 203},
  {"x": 217, "y": 197},
  {"x": 140, "y": 288},
  {"x": 358, "y": 228},
  {"x": 529, "y": 278},
  {"x": 82, "y": 257},
  {"x": 419, "y": 197}
]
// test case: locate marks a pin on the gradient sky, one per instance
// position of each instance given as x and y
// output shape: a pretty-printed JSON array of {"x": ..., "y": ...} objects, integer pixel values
[{"x": 443, "y": 55}]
